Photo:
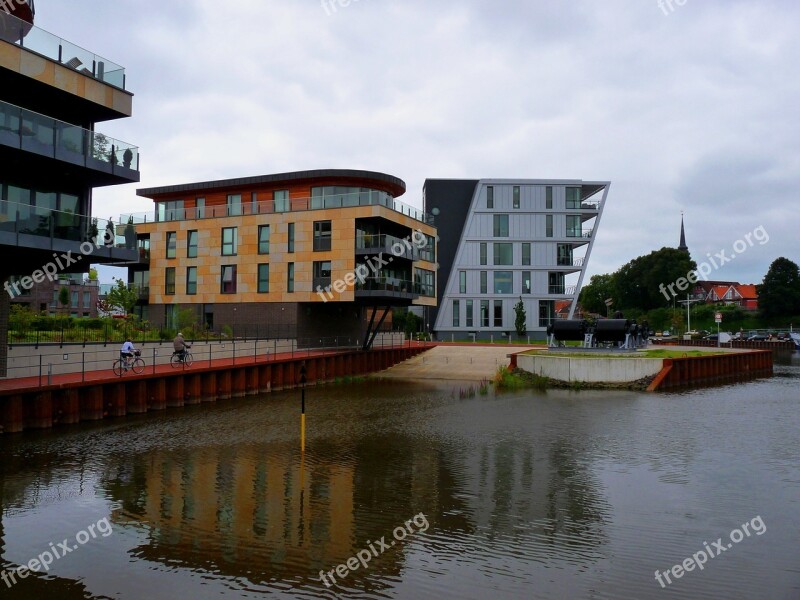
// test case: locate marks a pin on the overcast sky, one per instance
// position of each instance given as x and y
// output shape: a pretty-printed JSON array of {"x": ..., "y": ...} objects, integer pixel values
[{"x": 691, "y": 108}]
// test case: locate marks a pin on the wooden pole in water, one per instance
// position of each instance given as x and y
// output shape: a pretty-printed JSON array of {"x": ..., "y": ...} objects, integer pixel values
[{"x": 302, "y": 407}]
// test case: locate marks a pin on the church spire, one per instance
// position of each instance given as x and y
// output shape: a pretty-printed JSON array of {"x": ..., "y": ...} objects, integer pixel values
[{"x": 683, "y": 245}]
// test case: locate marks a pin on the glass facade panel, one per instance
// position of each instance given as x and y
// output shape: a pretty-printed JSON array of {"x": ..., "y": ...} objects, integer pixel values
[{"x": 504, "y": 254}]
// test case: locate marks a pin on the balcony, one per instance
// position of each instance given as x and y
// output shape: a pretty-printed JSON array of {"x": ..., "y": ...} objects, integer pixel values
[
  {"x": 281, "y": 206},
  {"x": 30, "y": 131},
  {"x": 386, "y": 287},
  {"x": 579, "y": 233},
  {"x": 367, "y": 243},
  {"x": 23, "y": 34},
  {"x": 561, "y": 290},
  {"x": 568, "y": 261}
]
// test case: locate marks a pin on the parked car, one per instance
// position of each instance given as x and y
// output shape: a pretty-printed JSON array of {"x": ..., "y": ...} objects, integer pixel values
[{"x": 758, "y": 337}]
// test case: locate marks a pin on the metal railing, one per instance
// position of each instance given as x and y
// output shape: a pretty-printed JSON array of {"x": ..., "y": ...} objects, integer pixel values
[
  {"x": 21, "y": 33},
  {"x": 398, "y": 247}
]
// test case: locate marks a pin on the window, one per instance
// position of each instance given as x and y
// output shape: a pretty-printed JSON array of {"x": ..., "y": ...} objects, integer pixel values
[
  {"x": 548, "y": 197},
  {"x": 503, "y": 282},
  {"x": 291, "y": 237},
  {"x": 526, "y": 282},
  {"x": 564, "y": 255},
  {"x": 169, "y": 281},
  {"x": 73, "y": 300},
  {"x": 200, "y": 211},
  {"x": 484, "y": 286},
  {"x": 429, "y": 251},
  {"x": 87, "y": 299},
  {"x": 456, "y": 313},
  {"x": 573, "y": 197},
  {"x": 191, "y": 280},
  {"x": 425, "y": 282},
  {"x": 484, "y": 313},
  {"x": 322, "y": 273},
  {"x": 322, "y": 236},
  {"x": 483, "y": 253},
  {"x": 253, "y": 203},
  {"x": 230, "y": 241},
  {"x": 469, "y": 313},
  {"x": 172, "y": 244},
  {"x": 228, "y": 283},
  {"x": 281, "y": 200},
  {"x": 548, "y": 226},
  {"x": 515, "y": 201},
  {"x": 556, "y": 283},
  {"x": 574, "y": 227},
  {"x": 498, "y": 313},
  {"x": 191, "y": 244},
  {"x": 263, "y": 239},
  {"x": 263, "y": 278},
  {"x": 546, "y": 310},
  {"x": 462, "y": 282},
  {"x": 290, "y": 278},
  {"x": 170, "y": 211},
  {"x": 504, "y": 254},
  {"x": 500, "y": 225},
  {"x": 526, "y": 253},
  {"x": 490, "y": 196},
  {"x": 234, "y": 205}
]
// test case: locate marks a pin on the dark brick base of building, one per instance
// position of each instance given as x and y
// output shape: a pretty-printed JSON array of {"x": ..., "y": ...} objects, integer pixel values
[{"x": 5, "y": 307}]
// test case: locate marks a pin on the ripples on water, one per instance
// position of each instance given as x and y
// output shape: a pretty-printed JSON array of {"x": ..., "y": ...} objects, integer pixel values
[{"x": 556, "y": 495}]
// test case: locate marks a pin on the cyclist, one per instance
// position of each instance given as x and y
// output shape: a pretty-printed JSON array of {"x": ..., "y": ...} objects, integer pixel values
[
  {"x": 180, "y": 346},
  {"x": 126, "y": 353}
]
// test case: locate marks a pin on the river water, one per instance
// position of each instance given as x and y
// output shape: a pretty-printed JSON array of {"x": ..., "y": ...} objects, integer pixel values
[{"x": 443, "y": 495}]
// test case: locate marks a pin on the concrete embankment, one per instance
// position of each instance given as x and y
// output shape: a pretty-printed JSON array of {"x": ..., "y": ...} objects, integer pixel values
[{"x": 469, "y": 362}]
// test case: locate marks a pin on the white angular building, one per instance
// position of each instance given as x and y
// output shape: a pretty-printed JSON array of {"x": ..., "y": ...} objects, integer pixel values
[{"x": 502, "y": 240}]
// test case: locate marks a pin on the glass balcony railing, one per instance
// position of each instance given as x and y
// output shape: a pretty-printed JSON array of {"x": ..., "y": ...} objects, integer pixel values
[
  {"x": 397, "y": 247},
  {"x": 20, "y": 218},
  {"x": 31, "y": 131},
  {"x": 271, "y": 206},
  {"x": 23, "y": 34},
  {"x": 388, "y": 285}
]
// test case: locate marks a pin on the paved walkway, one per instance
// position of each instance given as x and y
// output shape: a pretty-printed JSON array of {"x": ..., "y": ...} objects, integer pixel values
[{"x": 469, "y": 362}]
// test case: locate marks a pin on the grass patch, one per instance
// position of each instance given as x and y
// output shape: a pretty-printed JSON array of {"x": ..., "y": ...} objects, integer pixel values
[{"x": 506, "y": 379}]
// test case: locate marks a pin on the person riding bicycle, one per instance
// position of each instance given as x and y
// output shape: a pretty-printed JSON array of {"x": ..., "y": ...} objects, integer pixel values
[
  {"x": 180, "y": 346},
  {"x": 127, "y": 352}
]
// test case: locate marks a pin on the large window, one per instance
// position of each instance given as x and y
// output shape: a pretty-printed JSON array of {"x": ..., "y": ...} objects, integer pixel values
[
  {"x": 322, "y": 236},
  {"x": 500, "y": 226},
  {"x": 546, "y": 311},
  {"x": 556, "y": 283},
  {"x": 490, "y": 196},
  {"x": 87, "y": 299},
  {"x": 429, "y": 251},
  {"x": 169, "y": 281},
  {"x": 170, "y": 211},
  {"x": 263, "y": 239},
  {"x": 484, "y": 313},
  {"x": 503, "y": 254},
  {"x": 548, "y": 226},
  {"x": 230, "y": 241},
  {"x": 291, "y": 237},
  {"x": 172, "y": 244},
  {"x": 573, "y": 197},
  {"x": 200, "y": 210},
  {"x": 574, "y": 227},
  {"x": 228, "y": 283},
  {"x": 462, "y": 282},
  {"x": 339, "y": 196},
  {"x": 515, "y": 200},
  {"x": 263, "y": 278},
  {"x": 290, "y": 278},
  {"x": 484, "y": 285},
  {"x": 469, "y": 319},
  {"x": 191, "y": 244},
  {"x": 456, "y": 313},
  {"x": 281, "y": 200},
  {"x": 548, "y": 197},
  {"x": 498, "y": 313},
  {"x": 526, "y": 253},
  {"x": 565, "y": 255},
  {"x": 191, "y": 280},
  {"x": 503, "y": 282},
  {"x": 322, "y": 273},
  {"x": 483, "y": 253},
  {"x": 526, "y": 282},
  {"x": 234, "y": 205},
  {"x": 425, "y": 282}
]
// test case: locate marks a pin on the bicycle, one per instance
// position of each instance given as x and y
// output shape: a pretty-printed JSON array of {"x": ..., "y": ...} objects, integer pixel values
[
  {"x": 177, "y": 360},
  {"x": 136, "y": 365}
]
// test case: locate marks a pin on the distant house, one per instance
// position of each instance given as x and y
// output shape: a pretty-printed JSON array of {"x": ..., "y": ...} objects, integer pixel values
[{"x": 731, "y": 293}]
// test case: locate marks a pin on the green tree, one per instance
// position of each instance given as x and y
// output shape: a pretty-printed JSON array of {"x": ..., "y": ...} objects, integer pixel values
[
  {"x": 519, "y": 320},
  {"x": 650, "y": 281},
  {"x": 92, "y": 274},
  {"x": 63, "y": 297},
  {"x": 411, "y": 325},
  {"x": 779, "y": 293},
  {"x": 122, "y": 297},
  {"x": 594, "y": 295},
  {"x": 186, "y": 320}
]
